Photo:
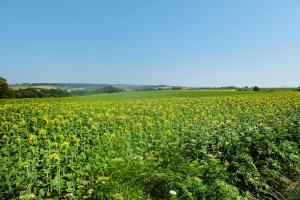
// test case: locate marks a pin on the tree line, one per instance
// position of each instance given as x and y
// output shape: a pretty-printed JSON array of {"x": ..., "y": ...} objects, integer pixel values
[{"x": 6, "y": 92}]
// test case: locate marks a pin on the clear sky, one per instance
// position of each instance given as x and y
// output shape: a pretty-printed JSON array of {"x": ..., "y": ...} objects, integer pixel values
[{"x": 174, "y": 42}]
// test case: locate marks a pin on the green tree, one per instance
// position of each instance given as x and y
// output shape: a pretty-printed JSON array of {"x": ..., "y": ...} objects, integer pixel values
[
  {"x": 255, "y": 88},
  {"x": 4, "y": 90}
]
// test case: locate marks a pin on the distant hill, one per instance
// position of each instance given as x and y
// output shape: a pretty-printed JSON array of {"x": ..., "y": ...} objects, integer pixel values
[{"x": 87, "y": 87}]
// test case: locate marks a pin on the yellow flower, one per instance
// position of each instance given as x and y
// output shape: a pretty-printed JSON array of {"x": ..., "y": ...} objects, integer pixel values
[
  {"x": 54, "y": 156},
  {"x": 42, "y": 132},
  {"x": 65, "y": 144},
  {"x": 31, "y": 138},
  {"x": 45, "y": 120},
  {"x": 22, "y": 122}
]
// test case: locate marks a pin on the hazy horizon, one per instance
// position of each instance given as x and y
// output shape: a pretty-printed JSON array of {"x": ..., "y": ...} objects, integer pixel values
[
  {"x": 192, "y": 44},
  {"x": 219, "y": 86}
]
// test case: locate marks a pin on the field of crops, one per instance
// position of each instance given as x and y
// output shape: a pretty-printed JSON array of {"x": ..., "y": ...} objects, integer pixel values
[{"x": 180, "y": 145}]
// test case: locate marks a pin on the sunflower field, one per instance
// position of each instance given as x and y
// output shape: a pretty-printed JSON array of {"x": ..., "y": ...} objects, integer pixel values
[{"x": 212, "y": 147}]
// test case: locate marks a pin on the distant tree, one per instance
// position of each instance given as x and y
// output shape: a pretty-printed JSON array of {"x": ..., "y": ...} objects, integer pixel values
[
  {"x": 255, "y": 88},
  {"x": 176, "y": 88},
  {"x": 298, "y": 89},
  {"x": 4, "y": 90},
  {"x": 246, "y": 88},
  {"x": 36, "y": 93},
  {"x": 109, "y": 89}
]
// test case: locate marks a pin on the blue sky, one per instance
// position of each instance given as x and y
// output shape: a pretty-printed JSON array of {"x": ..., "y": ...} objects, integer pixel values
[{"x": 174, "y": 42}]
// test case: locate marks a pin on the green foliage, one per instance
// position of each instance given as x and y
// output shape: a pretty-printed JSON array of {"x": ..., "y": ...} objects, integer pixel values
[
  {"x": 176, "y": 88},
  {"x": 38, "y": 93},
  {"x": 255, "y": 88},
  {"x": 109, "y": 89},
  {"x": 231, "y": 146},
  {"x": 4, "y": 90},
  {"x": 104, "y": 89}
]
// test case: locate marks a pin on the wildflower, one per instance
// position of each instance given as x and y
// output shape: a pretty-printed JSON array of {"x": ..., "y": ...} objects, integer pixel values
[
  {"x": 65, "y": 144},
  {"x": 45, "y": 120},
  {"x": 30, "y": 138},
  {"x": 173, "y": 192},
  {"x": 42, "y": 132},
  {"x": 22, "y": 122},
  {"x": 54, "y": 156}
]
